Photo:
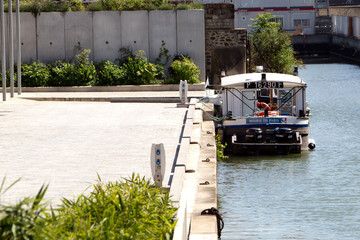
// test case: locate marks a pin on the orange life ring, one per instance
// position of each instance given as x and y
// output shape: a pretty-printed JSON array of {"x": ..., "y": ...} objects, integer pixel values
[{"x": 262, "y": 113}]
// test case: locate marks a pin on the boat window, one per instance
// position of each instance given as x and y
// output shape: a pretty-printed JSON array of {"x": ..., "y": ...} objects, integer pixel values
[
  {"x": 286, "y": 101},
  {"x": 265, "y": 95}
]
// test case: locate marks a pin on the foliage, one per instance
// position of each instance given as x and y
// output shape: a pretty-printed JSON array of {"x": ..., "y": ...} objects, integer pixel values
[
  {"x": 95, "y": 6},
  {"x": 164, "y": 55},
  {"x": 129, "y": 209},
  {"x": 109, "y": 74},
  {"x": 126, "y": 53},
  {"x": 196, "y": 5},
  {"x": 134, "y": 70},
  {"x": 138, "y": 71},
  {"x": 220, "y": 148},
  {"x": 34, "y": 75},
  {"x": 8, "y": 78},
  {"x": 82, "y": 73},
  {"x": 23, "y": 220},
  {"x": 38, "y": 6},
  {"x": 271, "y": 47},
  {"x": 110, "y": 4},
  {"x": 184, "y": 69},
  {"x": 166, "y": 6},
  {"x": 183, "y": 6},
  {"x": 85, "y": 70},
  {"x": 63, "y": 74}
]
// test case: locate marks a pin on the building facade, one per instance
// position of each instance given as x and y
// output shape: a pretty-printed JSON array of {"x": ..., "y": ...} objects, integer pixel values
[{"x": 293, "y": 15}]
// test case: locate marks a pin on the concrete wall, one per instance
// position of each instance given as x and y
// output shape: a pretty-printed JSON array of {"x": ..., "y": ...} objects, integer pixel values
[
  {"x": 50, "y": 44},
  {"x": 78, "y": 33},
  {"x": 191, "y": 36},
  {"x": 28, "y": 37},
  {"x": 107, "y": 37},
  {"x": 162, "y": 30},
  {"x": 53, "y": 36},
  {"x": 135, "y": 30}
]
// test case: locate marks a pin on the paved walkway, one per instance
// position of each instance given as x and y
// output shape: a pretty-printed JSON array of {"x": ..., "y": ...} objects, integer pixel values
[{"x": 66, "y": 144}]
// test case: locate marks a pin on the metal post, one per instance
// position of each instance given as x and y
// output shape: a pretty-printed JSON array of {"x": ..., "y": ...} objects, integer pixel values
[
  {"x": 18, "y": 47},
  {"x": 11, "y": 50},
  {"x": 158, "y": 163},
  {"x": 3, "y": 54}
]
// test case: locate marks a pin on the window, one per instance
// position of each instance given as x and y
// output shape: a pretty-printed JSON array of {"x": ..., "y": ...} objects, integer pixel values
[
  {"x": 302, "y": 22},
  {"x": 278, "y": 20}
]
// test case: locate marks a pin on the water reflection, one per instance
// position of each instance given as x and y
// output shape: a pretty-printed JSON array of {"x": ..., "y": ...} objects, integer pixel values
[{"x": 314, "y": 195}]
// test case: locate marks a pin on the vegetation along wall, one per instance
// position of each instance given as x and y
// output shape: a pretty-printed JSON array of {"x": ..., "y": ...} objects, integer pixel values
[{"x": 51, "y": 36}]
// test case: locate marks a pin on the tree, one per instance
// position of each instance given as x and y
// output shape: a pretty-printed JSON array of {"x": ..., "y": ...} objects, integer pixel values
[{"x": 271, "y": 47}]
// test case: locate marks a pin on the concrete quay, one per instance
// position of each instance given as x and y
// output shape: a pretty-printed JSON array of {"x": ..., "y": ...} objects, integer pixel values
[{"x": 66, "y": 138}]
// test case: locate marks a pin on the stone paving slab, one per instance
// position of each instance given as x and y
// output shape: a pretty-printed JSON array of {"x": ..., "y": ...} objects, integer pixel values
[{"x": 66, "y": 144}]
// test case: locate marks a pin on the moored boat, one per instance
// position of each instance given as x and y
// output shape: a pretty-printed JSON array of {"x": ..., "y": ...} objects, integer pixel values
[{"x": 264, "y": 113}]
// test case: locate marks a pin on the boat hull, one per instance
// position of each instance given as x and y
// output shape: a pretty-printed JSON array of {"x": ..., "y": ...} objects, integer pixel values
[{"x": 266, "y": 135}]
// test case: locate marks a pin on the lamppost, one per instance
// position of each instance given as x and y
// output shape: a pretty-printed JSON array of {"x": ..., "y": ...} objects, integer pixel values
[
  {"x": 3, "y": 54},
  {"x": 18, "y": 46}
]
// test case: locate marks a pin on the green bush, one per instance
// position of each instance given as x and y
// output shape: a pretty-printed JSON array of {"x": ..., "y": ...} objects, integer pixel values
[
  {"x": 38, "y": 6},
  {"x": 183, "y": 69},
  {"x": 109, "y": 74},
  {"x": 128, "y": 209},
  {"x": 110, "y": 5},
  {"x": 197, "y": 5},
  {"x": 63, "y": 74},
  {"x": 85, "y": 74},
  {"x": 95, "y": 6},
  {"x": 166, "y": 6},
  {"x": 183, "y": 6},
  {"x": 138, "y": 71},
  {"x": 85, "y": 70},
  {"x": 34, "y": 75},
  {"x": 8, "y": 77}
]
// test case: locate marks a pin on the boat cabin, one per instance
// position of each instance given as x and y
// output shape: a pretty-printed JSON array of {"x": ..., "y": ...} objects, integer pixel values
[{"x": 259, "y": 94}]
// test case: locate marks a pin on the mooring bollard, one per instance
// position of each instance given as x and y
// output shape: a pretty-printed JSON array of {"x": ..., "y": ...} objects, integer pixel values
[
  {"x": 157, "y": 162},
  {"x": 183, "y": 91}
]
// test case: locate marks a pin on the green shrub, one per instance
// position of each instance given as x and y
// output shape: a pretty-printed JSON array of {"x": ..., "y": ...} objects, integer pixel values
[
  {"x": 75, "y": 5},
  {"x": 23, "y": 220},
  {"x": 85, "y": 74},
  {"x": 166, "y": 6},
  {"x": 95, "y": 6},
  {"x": 8, "y": 77},
  {"x": 109, "y": 74},
  {"x": 128, "y": 209},
  {"x": 63, "y": 74},
  {"x": 183, "y": 69},
  {"x": 138, "y": 71},
  {"x": 34, "y": 75},
  {"x": 133, "y": 5},
  {"x": 183, "y": 6},
  {"x": 196, "y": 5},
  {"x": 220, "y": 148},
  {"x": 82, "y": 73},
  {"x": 85, "y": 70},
  {"x": 47, "y": 6},
  {"x": 110, "y": 5}
]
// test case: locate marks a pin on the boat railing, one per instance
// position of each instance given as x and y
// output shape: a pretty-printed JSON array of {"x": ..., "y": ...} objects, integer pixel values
[
  {"x": 244, "y": 103},
  {"x": 288, "y": 98}
]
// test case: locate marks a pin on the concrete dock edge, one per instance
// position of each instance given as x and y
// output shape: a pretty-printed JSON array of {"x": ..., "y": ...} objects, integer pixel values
[{"x": 194, "y": 186}]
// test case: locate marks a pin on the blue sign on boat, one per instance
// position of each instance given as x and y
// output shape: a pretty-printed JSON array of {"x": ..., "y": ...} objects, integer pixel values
[{"x": 264, "y": 120}]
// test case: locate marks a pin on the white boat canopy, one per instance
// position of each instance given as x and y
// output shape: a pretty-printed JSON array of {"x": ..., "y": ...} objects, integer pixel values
[{"x": 241, "y": 80}]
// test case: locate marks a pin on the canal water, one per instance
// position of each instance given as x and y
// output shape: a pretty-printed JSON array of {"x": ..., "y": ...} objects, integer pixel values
[{"x": 314, "y": 195}]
